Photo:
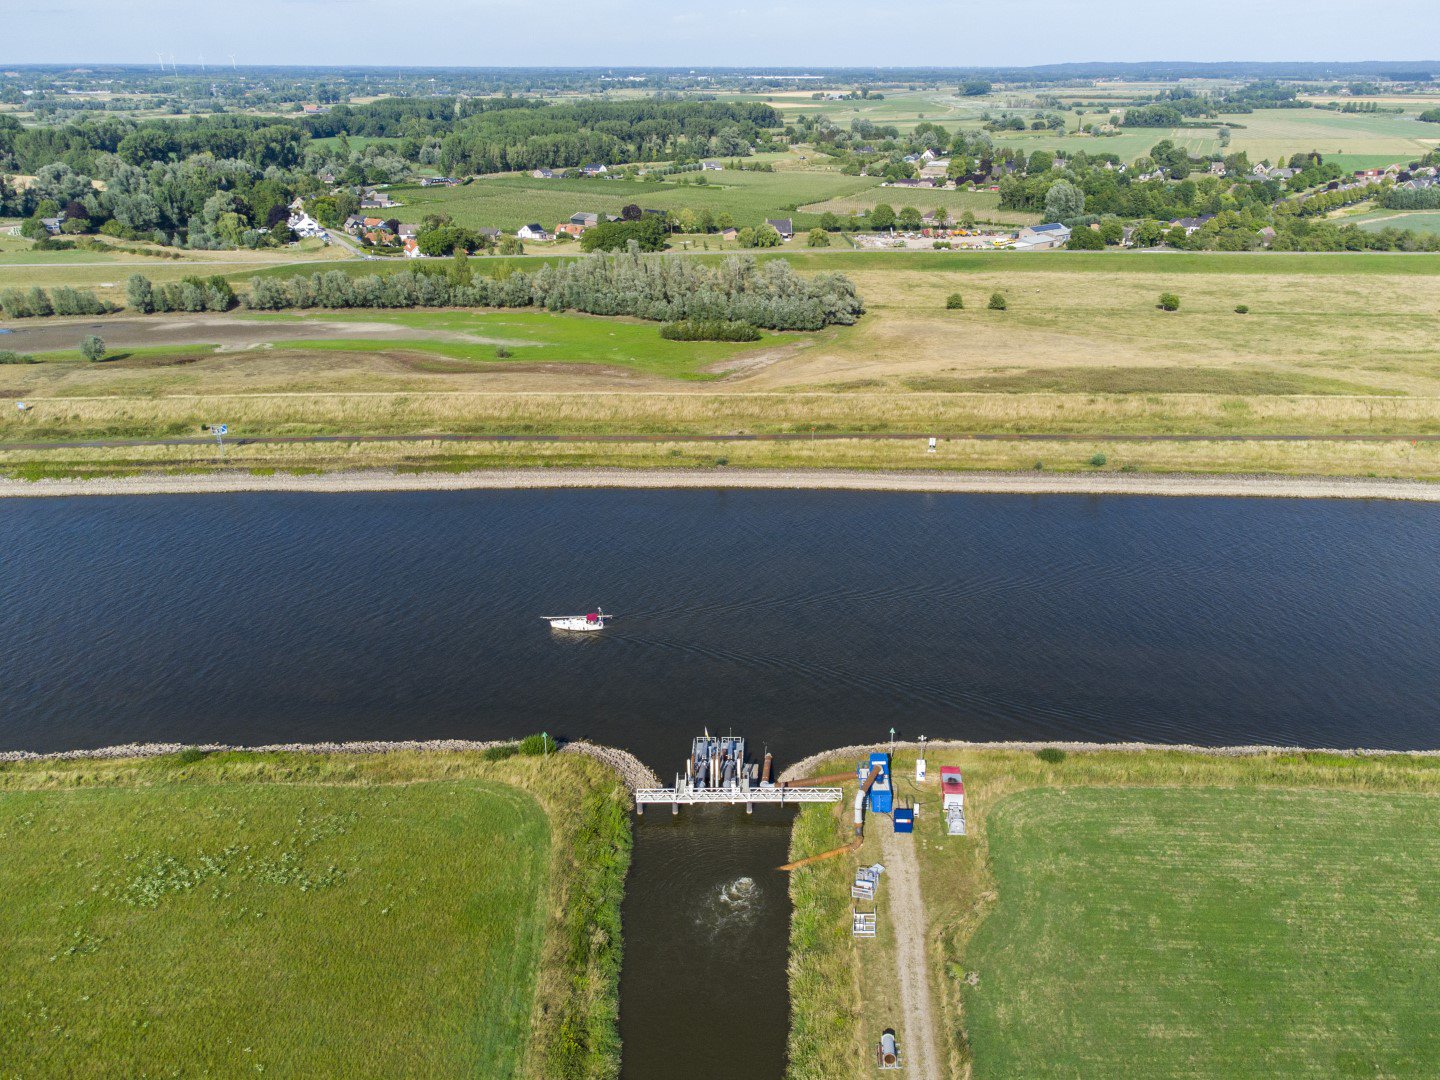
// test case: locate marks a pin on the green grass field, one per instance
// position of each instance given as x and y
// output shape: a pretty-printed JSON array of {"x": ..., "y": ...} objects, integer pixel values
[
  {"x": 1355, "y": 139},
  {"x": 1208, "y": 933},
  {"x": 507, "y": 202},
  {"x": 1142, "y": 913},
  {"x": 307, "y": 916},
  {"x": 543, "y": 337},
  {"x": 1416, "y": 220},
  {"x": 985, "y": 205}
]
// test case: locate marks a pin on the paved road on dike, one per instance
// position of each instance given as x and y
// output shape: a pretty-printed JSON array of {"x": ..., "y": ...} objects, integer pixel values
[{"x": 788, "y": 436}]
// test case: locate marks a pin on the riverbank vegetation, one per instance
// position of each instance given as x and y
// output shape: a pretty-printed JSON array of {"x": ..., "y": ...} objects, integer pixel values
[
  {"x": 658, "y": 288},
  {"x": 404, "y": 913},
  {"x": 1160, "y": 911}
]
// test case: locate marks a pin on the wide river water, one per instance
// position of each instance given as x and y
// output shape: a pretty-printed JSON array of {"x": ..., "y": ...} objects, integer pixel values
[{"x": 799, "y": 619}]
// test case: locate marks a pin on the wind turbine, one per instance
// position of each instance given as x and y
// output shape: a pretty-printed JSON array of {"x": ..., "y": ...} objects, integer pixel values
[
  {"x": 202, "y": 61},
  {"x": 161, "y": 58},
  {"x": 232, "y": 63}
]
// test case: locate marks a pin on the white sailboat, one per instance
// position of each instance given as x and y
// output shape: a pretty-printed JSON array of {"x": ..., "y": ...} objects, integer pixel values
[{"x": 579, "y": 623}]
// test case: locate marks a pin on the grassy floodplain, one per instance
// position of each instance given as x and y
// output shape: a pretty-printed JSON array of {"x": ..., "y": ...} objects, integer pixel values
[
  {"x": 1330, "y": 344},
  {"x": 1159, "y": 912},
  {"x": 406, "y": 914}
]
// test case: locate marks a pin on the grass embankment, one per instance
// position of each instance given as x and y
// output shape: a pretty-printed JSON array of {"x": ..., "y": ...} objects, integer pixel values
[
  {"x": 1390, "y": 460},
  {"x": 402, "y": 914},
  {"x": 1166, "y": 913}
]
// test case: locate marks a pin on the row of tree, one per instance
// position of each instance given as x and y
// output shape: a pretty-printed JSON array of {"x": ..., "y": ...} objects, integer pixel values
[
  {"x": 63, "y": 300},
  {"x": 657, "y": 287},
  {"x": 188, "y": 294}
]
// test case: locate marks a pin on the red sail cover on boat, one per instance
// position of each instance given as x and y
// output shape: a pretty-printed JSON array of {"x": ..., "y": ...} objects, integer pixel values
[{"x": 592, "y": 617}]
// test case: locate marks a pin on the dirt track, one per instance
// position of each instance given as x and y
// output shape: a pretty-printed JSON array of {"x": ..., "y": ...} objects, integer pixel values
[
  {"x": 936, "y": 482},
  {"x": 901, "y": 886}
]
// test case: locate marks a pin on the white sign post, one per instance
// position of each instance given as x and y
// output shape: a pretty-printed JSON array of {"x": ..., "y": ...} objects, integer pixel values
[{"x": 920, "y": 763}]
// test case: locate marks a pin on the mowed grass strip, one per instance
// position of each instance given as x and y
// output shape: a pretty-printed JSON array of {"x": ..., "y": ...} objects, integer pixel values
[
  {"x": 387, "y": 915},
  {"x": 1208, "y": 932}
]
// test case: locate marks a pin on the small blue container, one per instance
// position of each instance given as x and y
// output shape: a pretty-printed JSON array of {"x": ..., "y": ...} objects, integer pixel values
[{"x": 905, "y": 819}]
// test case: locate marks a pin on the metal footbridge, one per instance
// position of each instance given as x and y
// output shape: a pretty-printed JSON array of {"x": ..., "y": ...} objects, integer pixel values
[
  {"x": 687, "y": 794},
  {"x": 717, "y": 772}
]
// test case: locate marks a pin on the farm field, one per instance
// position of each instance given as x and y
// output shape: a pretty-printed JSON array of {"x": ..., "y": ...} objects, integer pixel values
[
  {"x": 899, "y": 107},
  {"x": 985, "y": 205},
  {"x": 1115, "y": 913},
  {"x": 1357, "y": 140},
  {"x": 1215, "y": 933},
  {"x": 1417, "y": 220},
  {"x": 324, "y": 947},
  {"x": 507, "y": 202}
]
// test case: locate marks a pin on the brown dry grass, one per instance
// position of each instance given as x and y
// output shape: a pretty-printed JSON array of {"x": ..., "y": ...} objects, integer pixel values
[{"x": 1303, "y": 458}]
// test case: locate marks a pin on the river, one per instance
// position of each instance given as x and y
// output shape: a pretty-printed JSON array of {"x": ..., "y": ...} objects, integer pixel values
[{"x": 799, "y": 619}]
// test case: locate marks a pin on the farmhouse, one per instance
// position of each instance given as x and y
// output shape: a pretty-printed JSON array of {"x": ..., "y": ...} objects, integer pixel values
[
  {"x": 569, "y": 228},
  {"x": 304, "y": 226},
  {"x": 1191, "y": 224},
  {"x": 1041, "y": 237},
  {"x": 711, "y": 166},
  {"x": 532, "y": 232},
  {"x": 730, "y": 233},
  {"x": 353, "y": 224},
  {"x": 543, "y": 174},
  {"x": 374, "y": 199},
  {"x": 594, "y": 170},
  {"x": 412, "y": 248},
  {"x": 438, "y": 181},
  {"x": 408, "y": 231},
  {"x": 783, "y": 226},
  {"x": 584, "y": 220}
]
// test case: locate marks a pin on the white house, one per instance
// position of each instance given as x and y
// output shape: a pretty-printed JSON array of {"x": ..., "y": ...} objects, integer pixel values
[
  {"x": 532, "y": 232},
  {"x": 304, "y": 226}
]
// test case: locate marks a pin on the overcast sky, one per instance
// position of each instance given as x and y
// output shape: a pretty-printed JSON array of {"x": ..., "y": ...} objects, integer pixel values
[{"x": 750, "y": 33}]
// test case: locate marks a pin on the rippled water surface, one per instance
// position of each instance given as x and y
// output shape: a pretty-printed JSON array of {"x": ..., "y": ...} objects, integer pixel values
[
  {"x": 802, "y": 619},
  {"x": 703, "y": 993}
]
